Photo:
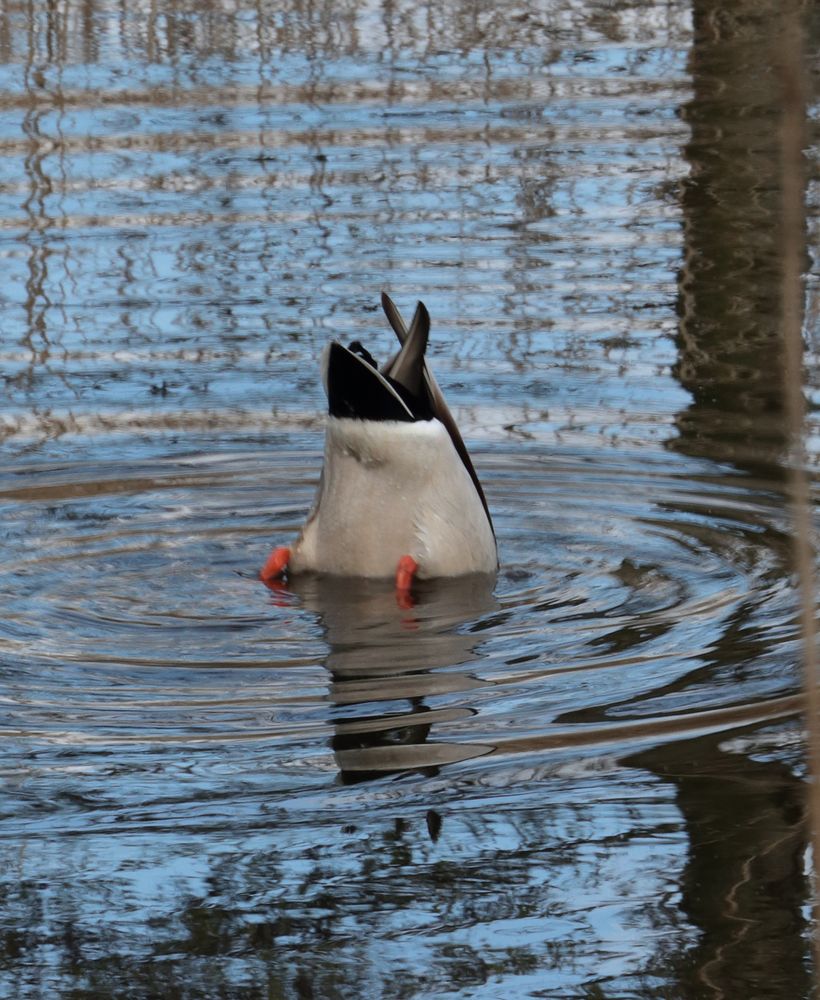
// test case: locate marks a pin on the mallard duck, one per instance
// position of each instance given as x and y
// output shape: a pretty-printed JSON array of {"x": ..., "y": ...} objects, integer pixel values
[{"x": 398, "y": 494}]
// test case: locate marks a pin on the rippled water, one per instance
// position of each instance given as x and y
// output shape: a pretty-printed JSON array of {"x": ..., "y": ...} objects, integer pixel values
[{"x": 582, "y": 779}]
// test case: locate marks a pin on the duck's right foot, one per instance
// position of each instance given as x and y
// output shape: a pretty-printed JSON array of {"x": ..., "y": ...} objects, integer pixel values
[{"x": 405, "y": 573}]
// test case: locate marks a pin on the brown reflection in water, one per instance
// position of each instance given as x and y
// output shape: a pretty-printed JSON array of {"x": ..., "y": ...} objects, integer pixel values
[
  {"x": 729, "y": 301},
  {"x": 43, "y": 96},
  {"x": 744, "y": 885},
  {"x": 170, "y": 30},
  {"x": 385, "y": 656}
]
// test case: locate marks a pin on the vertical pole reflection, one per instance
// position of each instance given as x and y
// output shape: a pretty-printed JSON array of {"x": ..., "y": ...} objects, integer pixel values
[
  {"x": 729, "y": 297},
  {"x": 45, "y": 49},
  {"x": 744, "y": 885},
  {"x": 793, "y": 253}
]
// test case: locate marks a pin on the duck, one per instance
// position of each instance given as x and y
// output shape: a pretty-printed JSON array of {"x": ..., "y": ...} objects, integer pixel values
[{"x": 398, "y": 496}]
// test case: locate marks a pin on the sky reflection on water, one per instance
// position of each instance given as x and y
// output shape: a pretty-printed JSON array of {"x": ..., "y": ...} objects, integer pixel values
[{"x": 582, "y": 779}]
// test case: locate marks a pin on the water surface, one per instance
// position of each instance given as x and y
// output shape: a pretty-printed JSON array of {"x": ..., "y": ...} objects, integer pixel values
[{"x": 584, "y": 778}]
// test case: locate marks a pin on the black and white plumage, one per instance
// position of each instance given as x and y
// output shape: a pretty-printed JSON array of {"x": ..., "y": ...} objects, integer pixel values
[{"x": 397, "y": 480}]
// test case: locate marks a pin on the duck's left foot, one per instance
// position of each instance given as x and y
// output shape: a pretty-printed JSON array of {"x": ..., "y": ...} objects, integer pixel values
[
  {"x": 405, "y": 573},
  {"x": 275, "y": 565}
]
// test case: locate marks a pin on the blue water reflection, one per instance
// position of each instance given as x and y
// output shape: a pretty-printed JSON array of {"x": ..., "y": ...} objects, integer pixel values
[{"x": 581, "y": 779}]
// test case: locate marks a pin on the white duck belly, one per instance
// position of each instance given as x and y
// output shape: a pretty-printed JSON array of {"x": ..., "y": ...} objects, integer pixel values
[{"x": 390, "y": 489}]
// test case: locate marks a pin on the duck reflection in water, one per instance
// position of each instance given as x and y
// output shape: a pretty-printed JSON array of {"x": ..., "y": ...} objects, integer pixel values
[{"x": 398, "y": 673}]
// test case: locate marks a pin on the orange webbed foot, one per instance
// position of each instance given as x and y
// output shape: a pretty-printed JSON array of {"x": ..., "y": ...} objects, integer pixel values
[
  {"x": 405, "y": 573},
  {"x": 276, "y": 565}
]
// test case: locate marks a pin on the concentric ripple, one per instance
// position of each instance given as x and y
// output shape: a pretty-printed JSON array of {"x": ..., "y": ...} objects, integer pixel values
[{"x": 633, "y": 602}]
